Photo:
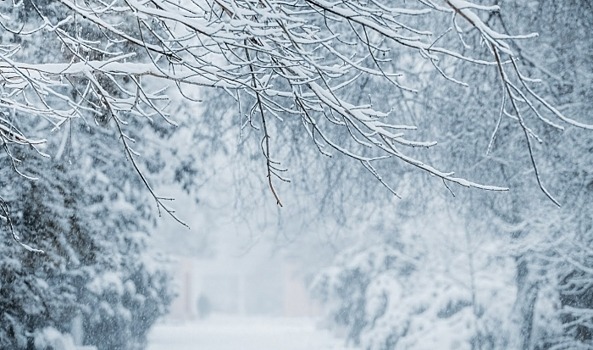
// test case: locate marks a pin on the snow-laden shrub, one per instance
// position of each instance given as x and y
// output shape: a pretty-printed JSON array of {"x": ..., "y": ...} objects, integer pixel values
[
  {"x": 94, "y": 262},
  {"x": 384, "y": 300},
  {"x": 121, "y": 308},
  {"x": 51, "y": 339}
]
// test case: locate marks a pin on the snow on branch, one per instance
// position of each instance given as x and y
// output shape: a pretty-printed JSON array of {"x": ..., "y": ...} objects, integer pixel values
[
  {"x": 515, "y": 85},
  {"x": 296, "y": 58}
]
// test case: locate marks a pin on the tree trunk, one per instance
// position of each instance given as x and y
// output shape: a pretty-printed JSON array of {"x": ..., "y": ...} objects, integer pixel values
[{"x": 522, "y": 314}]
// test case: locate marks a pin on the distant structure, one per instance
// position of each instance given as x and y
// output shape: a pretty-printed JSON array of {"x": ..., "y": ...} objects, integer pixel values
[{"x": 244, "y": 285}]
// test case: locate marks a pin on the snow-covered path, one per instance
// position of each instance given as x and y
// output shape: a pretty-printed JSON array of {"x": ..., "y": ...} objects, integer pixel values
[{"x": 243, "y": 333}]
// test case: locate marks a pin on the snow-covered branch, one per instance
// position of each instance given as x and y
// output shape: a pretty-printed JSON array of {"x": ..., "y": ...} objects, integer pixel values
[{"x": 309, "y": 51}]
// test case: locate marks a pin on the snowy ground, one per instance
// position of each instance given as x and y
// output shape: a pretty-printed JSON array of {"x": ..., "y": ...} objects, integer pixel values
[{"x": 243, "y": 333}]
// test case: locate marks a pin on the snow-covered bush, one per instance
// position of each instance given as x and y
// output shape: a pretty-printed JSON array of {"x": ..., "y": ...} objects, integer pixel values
[
  {"x": 94, "y": 261},
  {"x": 383, "y": 300},
  {"x": 51, "y": 339},
  {"x": 120, "y": 308}
]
